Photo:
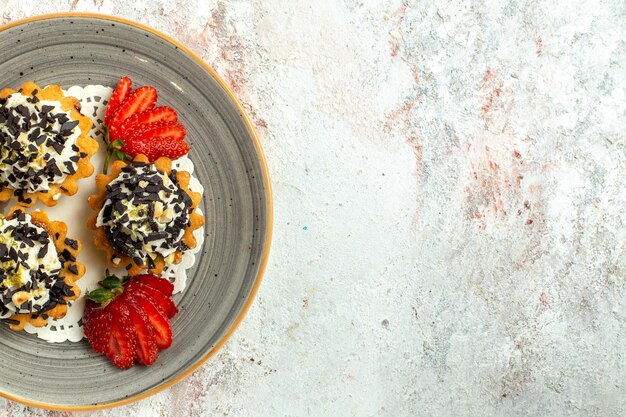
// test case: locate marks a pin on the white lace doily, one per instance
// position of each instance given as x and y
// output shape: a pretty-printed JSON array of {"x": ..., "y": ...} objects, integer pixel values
[{"x": 74, "y": 212}]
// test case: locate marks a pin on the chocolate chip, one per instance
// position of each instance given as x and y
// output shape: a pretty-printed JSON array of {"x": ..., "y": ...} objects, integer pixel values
[
  {"x": 72, "y": 243},
  {"x": 69, "y": 125},
  {"x": 57, "y": 147},
  {"x": 70, "y": 167},
  {"x": 67, "y": 256}
]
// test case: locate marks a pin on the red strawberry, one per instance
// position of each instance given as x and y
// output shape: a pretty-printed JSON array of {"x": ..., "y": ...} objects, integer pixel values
[
  {"x": 142, "y": 99},
  {"x": 136, "y": 127},
  {"x": 163, "y": 302},
  {"x": 96, "y": 323},
  {"x": 158, "y": 320},
  {"x": 122, "y": 348},
  {"x": 129, "y": 322},
  {"x": 158, "y": 114},
  {"x": 158, "y": 283},
  {"x": 156, "y": 147},
  {"x": 171, "y": 130},
  {"x": 147, "y": 350},
  {"x": 119, "y": 95}
]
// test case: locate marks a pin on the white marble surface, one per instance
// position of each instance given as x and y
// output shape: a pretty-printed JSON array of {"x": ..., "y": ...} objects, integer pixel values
[{"x": 449, "y": 183}]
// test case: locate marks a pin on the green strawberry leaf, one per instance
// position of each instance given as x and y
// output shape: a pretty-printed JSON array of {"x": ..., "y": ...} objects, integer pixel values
[
  {"x": 117, "y": 144},
  {"x": 101, "y": 295},
  {"x": 111, "y": 282}
]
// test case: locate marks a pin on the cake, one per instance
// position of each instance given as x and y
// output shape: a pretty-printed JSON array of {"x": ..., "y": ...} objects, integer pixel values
[
  {"x": 38, "y": 269},
  {"x": 145, "y": 215},
  {"x": 44, "y": 144}
]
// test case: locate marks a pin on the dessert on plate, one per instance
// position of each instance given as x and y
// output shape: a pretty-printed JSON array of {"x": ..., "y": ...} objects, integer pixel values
[
  {"x": 145, "y": 215},
  {"x": 38, "y": 268},
  {"x": 145, "y": 212},
  {"x": 44, "y": 144}
]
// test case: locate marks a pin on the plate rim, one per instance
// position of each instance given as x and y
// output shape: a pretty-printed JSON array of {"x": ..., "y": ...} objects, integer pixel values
[{"x": 269, "y": 217}]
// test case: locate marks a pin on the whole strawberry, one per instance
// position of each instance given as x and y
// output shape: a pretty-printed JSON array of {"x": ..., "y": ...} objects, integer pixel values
[{"x": 129, "y": 321}]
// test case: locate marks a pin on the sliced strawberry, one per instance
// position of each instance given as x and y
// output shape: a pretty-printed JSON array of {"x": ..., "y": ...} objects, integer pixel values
[
  {"x": 163, "y": 302},
  {"x": 161, "y": 284},
  {"x": 96, "y": 323},
  {"x": 136, "y": 127},
  {"x": 160, "y": 324},
  {"x": 120, "y": 93},
  {"x": 158, "y": 114},
  {"x": 147, "y": 350},
  {"x": 168, "y": 130},
  {"x": 156, "y": 148},
  {"x": 142, "y": 99},
  {"x": 128, "y": 321},
  {"x": 122, "y": 348}
]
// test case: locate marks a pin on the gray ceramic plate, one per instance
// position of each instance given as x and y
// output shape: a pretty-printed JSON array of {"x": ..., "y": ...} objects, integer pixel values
[{"x": 70, "y": 49}]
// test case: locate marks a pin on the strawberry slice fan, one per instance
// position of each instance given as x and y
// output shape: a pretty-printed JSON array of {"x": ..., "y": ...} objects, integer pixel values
[
  {"x": 129, "y": 321},
  {"x": 135, "y": 126}
]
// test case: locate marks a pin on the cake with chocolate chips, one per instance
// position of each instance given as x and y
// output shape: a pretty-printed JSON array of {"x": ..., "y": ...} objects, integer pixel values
[
  {"x": 44, "y": 144},
  {"x": 145, "y": 215},
  {"x": 38, "y": 268}
]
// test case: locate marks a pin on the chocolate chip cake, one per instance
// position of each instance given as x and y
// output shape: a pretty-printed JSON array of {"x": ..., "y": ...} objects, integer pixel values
[
  {"x": 145, "y": 215},
  {"x": 38, "y": 268},
  {"x": 44, "y": 147}
]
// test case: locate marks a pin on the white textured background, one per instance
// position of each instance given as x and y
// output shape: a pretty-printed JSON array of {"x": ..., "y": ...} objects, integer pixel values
[{"x": 449, "y": 181}]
